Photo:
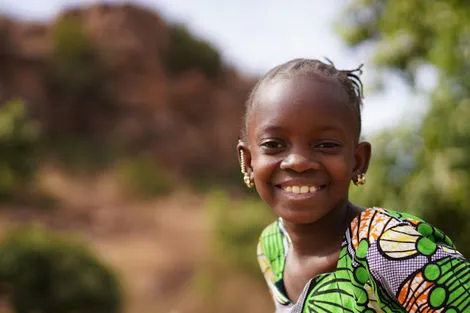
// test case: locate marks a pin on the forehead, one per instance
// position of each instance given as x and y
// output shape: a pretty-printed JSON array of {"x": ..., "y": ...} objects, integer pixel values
[{"x": 303, "y": 104}]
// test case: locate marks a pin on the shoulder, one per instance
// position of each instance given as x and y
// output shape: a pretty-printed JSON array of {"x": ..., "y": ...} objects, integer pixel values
[
  {"x": 392, "y": 226},
  {"x": 272, "y": 247},
  {"x": 410, "y": 260}
]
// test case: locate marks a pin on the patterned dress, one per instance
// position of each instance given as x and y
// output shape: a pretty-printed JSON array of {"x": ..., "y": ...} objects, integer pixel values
[{"x": 389, "y": 262}]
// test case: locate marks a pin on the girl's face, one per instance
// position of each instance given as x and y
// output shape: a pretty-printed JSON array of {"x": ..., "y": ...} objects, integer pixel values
[{"x": 302, "y": 147}]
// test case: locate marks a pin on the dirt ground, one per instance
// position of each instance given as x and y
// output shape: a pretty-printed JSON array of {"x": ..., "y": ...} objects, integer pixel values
[{"x": 161, "y": 248}]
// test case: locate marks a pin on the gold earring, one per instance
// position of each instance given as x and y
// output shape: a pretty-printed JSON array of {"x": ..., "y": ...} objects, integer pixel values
[
  {"x": 247, "y": 178},
  {"x": 360, "y": 180}
]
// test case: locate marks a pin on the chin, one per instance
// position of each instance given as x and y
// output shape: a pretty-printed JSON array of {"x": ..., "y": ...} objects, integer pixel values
[{"x": 300, "y": 216}]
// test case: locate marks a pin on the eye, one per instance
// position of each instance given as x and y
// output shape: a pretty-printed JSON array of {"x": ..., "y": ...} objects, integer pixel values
[
  {"x": 273, "y": 144},
  {"x": 329, "y": 145}
]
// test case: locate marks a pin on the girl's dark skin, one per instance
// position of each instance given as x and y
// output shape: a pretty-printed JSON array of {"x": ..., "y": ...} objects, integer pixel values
[{"x": 303, "y": 131}]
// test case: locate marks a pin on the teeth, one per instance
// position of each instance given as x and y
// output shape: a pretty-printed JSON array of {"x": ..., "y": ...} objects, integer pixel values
[{"x": 301, "y": 189}]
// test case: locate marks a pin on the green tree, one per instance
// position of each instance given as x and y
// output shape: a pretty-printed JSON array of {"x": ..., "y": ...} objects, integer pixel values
[
  {"x": 19, "y": 146},
  {"x": 407, "y": 35},
  {"x": 187, "y": 52}
]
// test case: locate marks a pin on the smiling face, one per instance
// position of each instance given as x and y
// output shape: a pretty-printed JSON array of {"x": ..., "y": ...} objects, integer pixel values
[{"x": 302, "y": 147}]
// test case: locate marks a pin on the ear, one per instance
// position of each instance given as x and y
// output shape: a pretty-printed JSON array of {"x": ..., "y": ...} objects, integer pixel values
[
  {"x": 242, "y": 147},
  {"x": 362, "y": 157}
]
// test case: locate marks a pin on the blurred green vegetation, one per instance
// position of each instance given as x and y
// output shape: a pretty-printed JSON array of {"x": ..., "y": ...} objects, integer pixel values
[
  {"x": 19, "y": 143},
  {"x": 45, "y": 272},
  {"x": 81, "y": 155},
  {"x": 187, "y": 52},
  {"x": 424, "y": 170},
  {"x": 142, "y": 176},
  {"x": 236, "y": 226}
]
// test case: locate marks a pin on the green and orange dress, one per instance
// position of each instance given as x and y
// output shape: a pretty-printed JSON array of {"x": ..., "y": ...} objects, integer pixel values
[{"x": 389, "y": 262}]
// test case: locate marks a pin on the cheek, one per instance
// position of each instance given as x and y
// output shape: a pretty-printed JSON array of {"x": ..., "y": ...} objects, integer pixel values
[
  {"x": 263, "y": 167},
  {"x": 340, "y": 167}
]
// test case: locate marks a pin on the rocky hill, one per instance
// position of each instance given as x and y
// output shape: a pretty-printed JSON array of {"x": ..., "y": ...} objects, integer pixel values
[{"x": 122, "y": 75}]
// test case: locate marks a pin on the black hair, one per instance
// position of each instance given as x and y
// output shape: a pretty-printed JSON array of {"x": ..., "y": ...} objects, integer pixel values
[{"x": 348, "y": 79}]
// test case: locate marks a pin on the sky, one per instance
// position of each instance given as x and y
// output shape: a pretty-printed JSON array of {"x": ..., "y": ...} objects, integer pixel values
[{"x": 256, "y": 35}]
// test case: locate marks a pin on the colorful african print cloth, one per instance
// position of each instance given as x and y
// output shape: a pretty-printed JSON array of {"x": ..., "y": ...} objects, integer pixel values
[{"x": 389, "y": 262}]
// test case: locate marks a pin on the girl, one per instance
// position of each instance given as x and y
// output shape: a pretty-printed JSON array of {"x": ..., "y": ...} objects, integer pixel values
[{"x": 301, "y": 148}]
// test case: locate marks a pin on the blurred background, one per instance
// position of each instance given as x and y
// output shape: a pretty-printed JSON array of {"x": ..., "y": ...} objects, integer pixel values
[{"x": 120, "y": 189}]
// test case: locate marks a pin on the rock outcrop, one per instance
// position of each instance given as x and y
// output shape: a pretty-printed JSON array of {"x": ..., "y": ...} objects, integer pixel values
[{"x": 189, "y": 122}]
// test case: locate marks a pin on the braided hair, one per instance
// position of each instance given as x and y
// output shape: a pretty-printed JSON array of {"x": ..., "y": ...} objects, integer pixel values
[{"x": 348, "y": 79}]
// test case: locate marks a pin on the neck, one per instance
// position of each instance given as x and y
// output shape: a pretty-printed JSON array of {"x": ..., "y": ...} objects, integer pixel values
[{"x": 324, "y": 236}]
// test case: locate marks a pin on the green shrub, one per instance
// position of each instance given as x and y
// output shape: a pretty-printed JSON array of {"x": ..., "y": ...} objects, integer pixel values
[
  {"x": 188, "y": 52},
  {"x": 236, "y": 226},
  {"x": 19, "y": 143},
  {"x": 72, "y": 49},
  {"x": 143, "y": 177},
  {"x": 43, "y": 272},
  {"x": 81, "y": 154}
]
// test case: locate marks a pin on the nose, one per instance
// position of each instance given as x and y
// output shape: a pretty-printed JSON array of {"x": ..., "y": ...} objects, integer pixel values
[{"x": 299, "y": 161}]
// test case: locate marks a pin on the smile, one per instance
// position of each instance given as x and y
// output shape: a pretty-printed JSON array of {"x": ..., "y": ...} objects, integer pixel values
[{"x": 301, "y": 189}]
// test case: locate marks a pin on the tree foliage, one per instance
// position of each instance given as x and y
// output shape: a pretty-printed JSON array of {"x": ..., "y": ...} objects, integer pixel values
[
  {"x": 44, "y": 272},
  {"x": 19, "y": 146},
  {"x": 187, "y": 52},
  {"x": 406, "y": 35},
  {"x": 236, "y": 226}
]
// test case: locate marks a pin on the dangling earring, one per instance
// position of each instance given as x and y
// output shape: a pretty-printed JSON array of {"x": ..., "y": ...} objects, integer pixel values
[
  {"x": 360, "y": 179},
  {"x": 247, "y": 178}
]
